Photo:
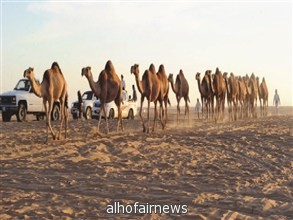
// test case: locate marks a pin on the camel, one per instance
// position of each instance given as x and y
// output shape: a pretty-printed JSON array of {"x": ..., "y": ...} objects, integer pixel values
[
  {"x": 220, "y": 93},
  {"x": 52, "y": 88},
  {"x": 203, "y": 88},
  {"x": 164, "y": 93},
  {"x": 253, "y": 95},
  {"x": 242, "y": 96},
  {"x": 181, "y": 89},
  {"x": 263, "y": 95},
  {"x": 229, "y": 94},
  {"x": 211, "y": 90},
  {"x": 107, "y": 88},
  {"x": 150, "y": 88},
  {"x": 234, "y": 94}
]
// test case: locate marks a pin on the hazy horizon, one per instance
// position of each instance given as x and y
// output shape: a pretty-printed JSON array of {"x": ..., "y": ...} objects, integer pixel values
[{"x": 238, "y": 37}]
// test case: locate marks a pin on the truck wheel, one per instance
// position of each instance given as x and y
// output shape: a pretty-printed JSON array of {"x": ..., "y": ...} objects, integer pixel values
[
  {"x": 88, "y": 113},
  {"x": 111, "y": 114},
  {"x": 21, "y": 112},
  {"x": 55, "y": 115},
  {"x": 130, "y": 114},
  {"x": 6, "y": 116},
  {"x": 40, "y": 117}
]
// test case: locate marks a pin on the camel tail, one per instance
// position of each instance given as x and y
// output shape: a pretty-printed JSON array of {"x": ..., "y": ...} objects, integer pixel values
[{"x": 169, "y": 102}]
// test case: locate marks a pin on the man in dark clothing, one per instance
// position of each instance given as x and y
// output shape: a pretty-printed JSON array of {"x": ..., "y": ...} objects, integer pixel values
[
  {"x": 79, "y": 104},
  {"x": 134, "y": 96}
]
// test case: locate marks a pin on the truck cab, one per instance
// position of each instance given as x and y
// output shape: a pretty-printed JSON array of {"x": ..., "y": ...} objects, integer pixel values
[{"x": 22, "y": 101}]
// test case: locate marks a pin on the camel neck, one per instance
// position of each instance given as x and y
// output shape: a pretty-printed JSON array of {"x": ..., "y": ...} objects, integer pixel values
[
  {"x": 173, "y": 87},
  {"x": 199, "y": 86},
  {"x": 36, "y": 87},
  {"x": 95, "y": 86},
  {"x": 139, "y": 84}
]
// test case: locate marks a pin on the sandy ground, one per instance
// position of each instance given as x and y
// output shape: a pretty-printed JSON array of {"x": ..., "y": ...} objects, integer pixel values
[{"x": 228, "y": 170}]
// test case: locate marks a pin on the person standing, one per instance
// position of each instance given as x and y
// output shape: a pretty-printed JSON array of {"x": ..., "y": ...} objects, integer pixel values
[
  {"x": 134, "y": 96},
  {"x": 197, "y": 107},
  {"x": 123, "y": 82},
  {"x": 79, "y": 104},
  {"x": 276, "y": 101}
]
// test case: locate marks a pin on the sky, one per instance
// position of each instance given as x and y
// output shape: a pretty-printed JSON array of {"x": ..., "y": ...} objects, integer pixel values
[{"x": 242, "y": 37}]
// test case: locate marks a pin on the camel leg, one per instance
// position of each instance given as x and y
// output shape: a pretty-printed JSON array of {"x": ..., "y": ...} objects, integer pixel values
[
  {"x": 155, "y": 116},
  {"x": 66, "y": 121},
  {"x": 186, "y": 109},
  {"x": 163, "y": 119},
  {"x": 62, "y": 107},
  {"x": 178, "y": 110},
  {"x": 100, "y": 116},
  {"x": 148, "y": 124},
  {"x": 106, "y": 119},
  {"x": 166, "y": 110},
  {"x": 49, "y": 110},
  {"x": 119, "y": 118},
  {"x": 140, "y": 111}
]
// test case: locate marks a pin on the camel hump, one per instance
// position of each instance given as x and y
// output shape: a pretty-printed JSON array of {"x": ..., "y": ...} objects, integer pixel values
[
  {"x": 109, "y": 67},
  {"x": 152, "y": 69},
  {"x": 56, "y": 68},
  {"x": 46, "y": 77}
]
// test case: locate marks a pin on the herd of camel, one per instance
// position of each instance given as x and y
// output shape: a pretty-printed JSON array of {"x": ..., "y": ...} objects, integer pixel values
[{"x": 241, "y": 93}]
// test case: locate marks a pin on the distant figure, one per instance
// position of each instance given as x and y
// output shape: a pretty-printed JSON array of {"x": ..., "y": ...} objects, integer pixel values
[
  {"x": 197, "y": 107},
  {"x": 276, "y": 101},
  {"x": 134, "y": 96},
  {"x": 123, "y": 82},
  {"x": 79, "y": 104}
]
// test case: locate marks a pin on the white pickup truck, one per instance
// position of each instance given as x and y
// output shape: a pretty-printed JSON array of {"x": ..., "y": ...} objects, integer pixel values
[
  {"x": 22, "y": 101},
  {"x": 129, "y": 108},
  {"x": 88, "y": 99}
]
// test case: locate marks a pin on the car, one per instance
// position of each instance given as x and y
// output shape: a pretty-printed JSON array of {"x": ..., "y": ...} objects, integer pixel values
[
  {"x": 22, "y": 101},
  {"x": 88, "y": 99},
  {"x": 129, "y": 108}
]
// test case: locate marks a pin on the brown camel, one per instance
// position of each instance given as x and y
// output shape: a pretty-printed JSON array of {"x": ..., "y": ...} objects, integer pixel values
[
  {"x": 164, "y": 93},
  {"x": 52, "y": 88},
  {"x": 242, "y": 96},
  {"x": 209, "y": 77},
  {"x": 220, "y": 93},
  {"x": 234, "y": 90},
  {"x": 263, "y": 96},
  {"x": 107, "y": 88},
  {"x": 203, "y": 88},
  {"x": 229, "y": 94},
  {"x": 150, "y": 88},
  {"x": 181, "y": 89},
  {"x": 253, "y": 95}
]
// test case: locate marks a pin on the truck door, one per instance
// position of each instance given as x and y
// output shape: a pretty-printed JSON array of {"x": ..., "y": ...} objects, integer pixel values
[{"x": 35, "y": 102}]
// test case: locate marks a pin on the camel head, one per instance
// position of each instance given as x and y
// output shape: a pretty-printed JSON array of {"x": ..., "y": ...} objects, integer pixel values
[
  {"x": 197, "y": 76},
  {"x": 181, "y": 72},
  {"x": 29, "y": 73},
  {"x": 86, "y": 71},
  {"x": 257, "y": 80},
  {"x": 134, "y": 69},
  {"x": 170, "y": 78},
  {"x": 263, "y": 79},
  {"x": 225, "y": 75}
]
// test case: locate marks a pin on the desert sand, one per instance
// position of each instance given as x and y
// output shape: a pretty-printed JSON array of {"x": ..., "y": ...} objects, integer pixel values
[{"x": 225, "y": 170}]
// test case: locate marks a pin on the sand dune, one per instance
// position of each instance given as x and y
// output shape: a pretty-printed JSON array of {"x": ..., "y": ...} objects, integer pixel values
[{"x": 228, "y": 170}]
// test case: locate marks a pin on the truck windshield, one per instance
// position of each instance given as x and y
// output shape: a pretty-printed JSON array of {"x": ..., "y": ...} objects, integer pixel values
[
  {"x": 23, "y": 85},
  {"x": 87, "y": 95}
]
